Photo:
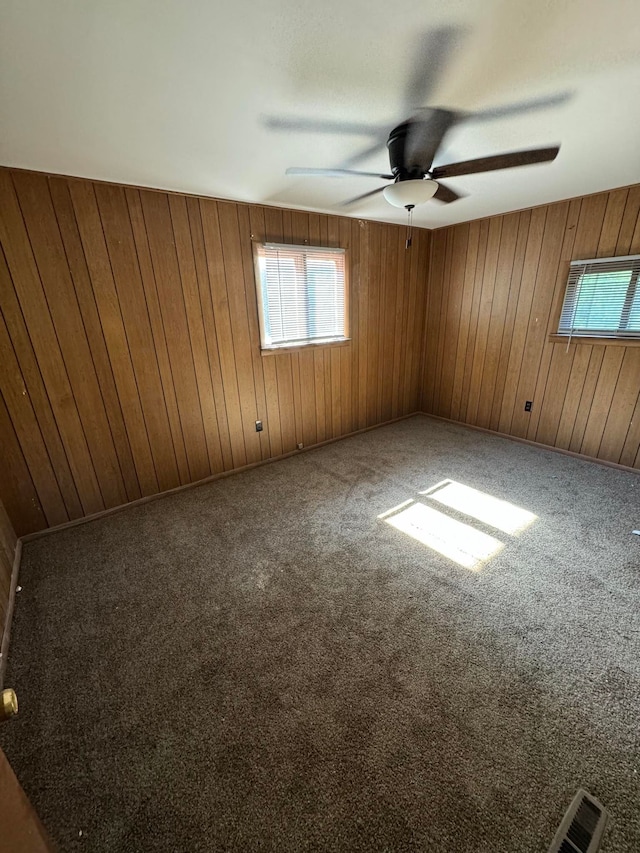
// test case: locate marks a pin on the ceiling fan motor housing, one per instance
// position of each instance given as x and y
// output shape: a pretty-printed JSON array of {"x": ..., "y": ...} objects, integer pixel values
[
  {"x": 396, "y": 145},
  {"x": 414, "y": 143}
]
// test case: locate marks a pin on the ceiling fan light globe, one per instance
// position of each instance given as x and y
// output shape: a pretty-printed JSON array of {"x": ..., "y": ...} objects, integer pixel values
[{"x": 415, "y": 192}]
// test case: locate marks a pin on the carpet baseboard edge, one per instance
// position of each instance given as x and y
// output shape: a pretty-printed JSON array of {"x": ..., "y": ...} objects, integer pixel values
[
  {"x": 37, "y": 534},
  {"x": 537, "y": 444}
]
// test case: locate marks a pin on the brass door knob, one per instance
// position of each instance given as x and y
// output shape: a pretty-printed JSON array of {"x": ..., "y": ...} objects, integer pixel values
[{"x": 9, "y": 704}]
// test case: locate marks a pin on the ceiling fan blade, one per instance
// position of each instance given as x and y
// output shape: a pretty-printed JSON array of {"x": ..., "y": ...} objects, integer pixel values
[
  {"x": 446, "y": 194},
  {"x": 520, "y": 107},
  {"x": 350, "y": 201},
  {"x": 335, "y": 173},
  {"x": 365, "y": 153},
  {"x": 429, "y": 61},
  {"x": 312, "y": 125},
  {"x": 497, "y": 161},
  {"x": 426, "y": 131}
]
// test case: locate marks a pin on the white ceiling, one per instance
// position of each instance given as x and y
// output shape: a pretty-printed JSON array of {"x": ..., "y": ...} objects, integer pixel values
[{"x": 173, "y": 94}]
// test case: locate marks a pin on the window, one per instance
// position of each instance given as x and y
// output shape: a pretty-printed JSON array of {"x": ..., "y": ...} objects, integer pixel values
[
  {"x": 602, "y": 298},
  {"x": 302, "y": 295}
]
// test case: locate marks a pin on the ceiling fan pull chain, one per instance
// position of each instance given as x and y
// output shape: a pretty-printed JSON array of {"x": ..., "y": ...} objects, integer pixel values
[{"x": 409, "y": 225}]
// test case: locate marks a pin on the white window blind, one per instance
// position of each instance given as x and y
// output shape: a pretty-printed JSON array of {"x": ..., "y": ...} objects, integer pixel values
[
  {"x": 602, "y": 298},
  {"x": 301, "y": 294}
]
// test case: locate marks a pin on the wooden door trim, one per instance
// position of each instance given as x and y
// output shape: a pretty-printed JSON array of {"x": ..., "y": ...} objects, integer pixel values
[{"x": 6, "y": 628}]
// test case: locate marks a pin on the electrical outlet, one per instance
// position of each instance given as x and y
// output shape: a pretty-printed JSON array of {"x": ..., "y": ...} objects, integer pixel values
[
  {"x": 258, "y": 426},
  {"x": 527, "y": 405}
]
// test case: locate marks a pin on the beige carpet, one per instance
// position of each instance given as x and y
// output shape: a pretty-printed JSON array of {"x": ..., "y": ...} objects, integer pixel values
[{"x": 264, "y": 664}]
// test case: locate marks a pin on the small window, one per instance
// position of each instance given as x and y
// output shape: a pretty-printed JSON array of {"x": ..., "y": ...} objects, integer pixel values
[
  {"x": 302, "y": 296},
  {"x": 602, "y": 298}
]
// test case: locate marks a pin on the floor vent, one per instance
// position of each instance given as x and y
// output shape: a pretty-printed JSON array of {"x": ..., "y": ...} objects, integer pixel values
[{"x": 582, "y": 826}]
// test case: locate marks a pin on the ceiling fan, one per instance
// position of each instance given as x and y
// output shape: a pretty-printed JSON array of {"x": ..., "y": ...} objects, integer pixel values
[
  {"x": 412, "y": 148},
  {"x": 414, "y": 143}
]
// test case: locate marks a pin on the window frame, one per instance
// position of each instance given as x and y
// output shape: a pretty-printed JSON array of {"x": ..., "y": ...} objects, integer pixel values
[
  {"x": 275, "y": 349},
  {"x": 614, "y": 338}
]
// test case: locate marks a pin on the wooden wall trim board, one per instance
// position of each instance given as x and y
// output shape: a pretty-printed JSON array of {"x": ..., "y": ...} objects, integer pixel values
[
  {"x": 494, "y": 295},
  {"x": 38, "y": 534},
  {"x": 517, "y": 438},
  {"x": 10, "y": 552},
  {"x": 130, "y": 347}
]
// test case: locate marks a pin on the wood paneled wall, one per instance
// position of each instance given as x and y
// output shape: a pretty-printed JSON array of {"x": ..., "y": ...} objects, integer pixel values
[
  {"x": 495, "y": 288},
  {"x": 129, "y": 343},
  {"x": 8, "y": 545},
  {"x": 129, "y": 346}
]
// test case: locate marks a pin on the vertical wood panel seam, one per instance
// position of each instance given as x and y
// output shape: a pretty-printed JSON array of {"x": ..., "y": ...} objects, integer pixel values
[
  {"x": 458, "y": 323},
  {"x": 628, "y": 430},
  {"x": 595, "y": 386},
  {"x": 124, "y": 326},
  {"x": 38, "y": 425},
  {"x": 575, "y": 416},
  {"x": 54, "y": 423},
  {"x": 508, "y": 282},
  {"x": 193, "y": 359},
  {"x": 428, "y": 290},
  {"x": 534, "y": 385},
  {"x": 615, "y": 388},
  {"x": 549, "y": 327},
  {"x": 444, "y": 313},
  {"x": 249, "y": 288},
  {"x": 63, "y": 363},
  {"x": 626, "y": 434},
  {"x": 204, "y": 330},
  {"x": 493, "y": 295},
  {"x": 507, "y": 355},
  {"x": 468, "y": 250},
  {"x": 106, "y": 348},
  {"x": 226, "y": 290},
  {"x": 217, "y": 339},
  {"x": 34, "y": 489},
  {"x": 609, "y": 198},
  {"x": 164, "y": 335},
  {"x": 524, "y": 347},
  {"x": 82, "y": 321},
  {"x": 153, "y": 283}
]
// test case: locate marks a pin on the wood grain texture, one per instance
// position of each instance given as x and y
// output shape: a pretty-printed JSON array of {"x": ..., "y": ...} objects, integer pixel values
[
  {"x": 130, "y": 351},
  {"x": 494, "y": 294}
]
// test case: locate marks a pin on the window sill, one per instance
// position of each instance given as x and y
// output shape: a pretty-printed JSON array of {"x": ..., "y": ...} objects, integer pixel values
[
  {"x": 312, "y": 345},
  {"x": 600, "y": 341}
]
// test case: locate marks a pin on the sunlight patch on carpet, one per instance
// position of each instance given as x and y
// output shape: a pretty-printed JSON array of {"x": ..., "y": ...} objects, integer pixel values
[
  {"x": 455, "y": 540},
  {"x": 495, "y": 512}
]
